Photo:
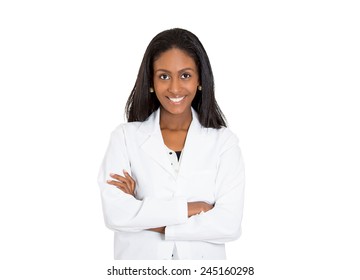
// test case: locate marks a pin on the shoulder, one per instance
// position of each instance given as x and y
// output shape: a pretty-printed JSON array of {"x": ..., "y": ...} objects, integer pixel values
[
  {"x": 124, "y": 130},
  {"x": 127, "y": 127},
  {"x": 224, "y": 134},
  {"x": 137, "y": 130},
  {"x": 221, "y": 140}
]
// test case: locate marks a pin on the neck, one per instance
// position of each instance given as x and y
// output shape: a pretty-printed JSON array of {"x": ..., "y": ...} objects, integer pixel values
[{"x": 175, "y": 122}]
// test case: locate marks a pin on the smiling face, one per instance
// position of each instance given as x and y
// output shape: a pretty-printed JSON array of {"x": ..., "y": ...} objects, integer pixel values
[{"x": 175, "y": 82}]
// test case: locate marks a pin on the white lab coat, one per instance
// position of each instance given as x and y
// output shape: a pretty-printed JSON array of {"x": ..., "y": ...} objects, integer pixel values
[{"x": 211, "y": 170}]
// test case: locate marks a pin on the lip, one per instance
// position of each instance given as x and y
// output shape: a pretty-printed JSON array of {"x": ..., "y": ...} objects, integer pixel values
[{"x": 176, "y": 100}]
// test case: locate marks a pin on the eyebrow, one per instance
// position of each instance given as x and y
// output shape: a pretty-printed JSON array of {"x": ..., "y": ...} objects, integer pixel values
[{"x": 182, "y": 70}]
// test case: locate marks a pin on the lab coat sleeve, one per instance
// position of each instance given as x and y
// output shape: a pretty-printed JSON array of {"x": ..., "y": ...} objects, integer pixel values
[
  {"x": 223, "y": 222},
  {"x": 122, "y": 211}
]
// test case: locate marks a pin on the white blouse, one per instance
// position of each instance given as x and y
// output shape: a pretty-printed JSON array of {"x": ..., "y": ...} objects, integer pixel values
[{"x": 173, "y": 158}]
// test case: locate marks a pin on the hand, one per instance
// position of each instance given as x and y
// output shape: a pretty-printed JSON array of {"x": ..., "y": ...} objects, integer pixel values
[
  {"x": 159, "y": 229},
  {"x": 194, "y": 208},
  {"x": 126, "y": 184},
  {"x": 197, "y": 207}
]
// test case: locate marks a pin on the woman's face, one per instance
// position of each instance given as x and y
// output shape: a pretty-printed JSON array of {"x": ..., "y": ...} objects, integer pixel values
[{"x": 176, "y": 79}]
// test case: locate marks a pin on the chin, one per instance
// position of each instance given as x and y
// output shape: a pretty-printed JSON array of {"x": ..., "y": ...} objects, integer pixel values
[{"x": 177, "y": 111}]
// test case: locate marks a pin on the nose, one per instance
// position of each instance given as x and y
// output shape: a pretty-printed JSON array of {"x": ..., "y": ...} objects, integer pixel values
[{"x": 175, "y": 86}]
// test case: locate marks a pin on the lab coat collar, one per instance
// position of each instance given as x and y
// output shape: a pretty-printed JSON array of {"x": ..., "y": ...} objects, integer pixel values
[{"x": 153, "y": 144}]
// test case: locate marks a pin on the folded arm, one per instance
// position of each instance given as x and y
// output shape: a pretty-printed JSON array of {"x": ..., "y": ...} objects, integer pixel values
[
  {"x": 121, "y": 210},
  {"x": 127, "y": 184}
]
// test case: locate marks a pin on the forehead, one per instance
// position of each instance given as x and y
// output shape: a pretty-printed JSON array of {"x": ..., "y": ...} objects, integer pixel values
[{"x": 174, "y": 59}]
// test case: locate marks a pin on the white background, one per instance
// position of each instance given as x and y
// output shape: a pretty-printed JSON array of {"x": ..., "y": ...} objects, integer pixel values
[{"x": 287, "y": 78}]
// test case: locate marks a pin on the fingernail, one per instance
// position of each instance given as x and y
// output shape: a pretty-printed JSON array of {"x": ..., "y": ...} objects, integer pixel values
[
  {"x": 125, "y": 171},
  {"x": 112, "y": 174},
  {"x": 108, "y": 181}
]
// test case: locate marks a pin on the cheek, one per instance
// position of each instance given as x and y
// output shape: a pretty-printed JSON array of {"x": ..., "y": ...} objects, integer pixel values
[
  {"x": 159, "y": 88},
  {"x": 193, "y": 88}
]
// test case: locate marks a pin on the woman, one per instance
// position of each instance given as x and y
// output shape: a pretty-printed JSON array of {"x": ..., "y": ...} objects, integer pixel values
[{"x": 172, "y": 180}]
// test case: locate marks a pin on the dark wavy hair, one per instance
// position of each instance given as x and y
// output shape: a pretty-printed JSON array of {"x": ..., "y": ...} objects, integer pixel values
[{"x": 141, "y": 104}]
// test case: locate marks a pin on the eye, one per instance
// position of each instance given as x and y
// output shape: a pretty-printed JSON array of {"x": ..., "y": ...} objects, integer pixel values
[
  {"x": 185, "y": 76},
  {"x": 164, "y": 77}
]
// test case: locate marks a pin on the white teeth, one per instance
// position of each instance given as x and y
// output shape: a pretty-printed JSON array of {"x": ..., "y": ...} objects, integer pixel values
[{"x": 176, "y": 99}]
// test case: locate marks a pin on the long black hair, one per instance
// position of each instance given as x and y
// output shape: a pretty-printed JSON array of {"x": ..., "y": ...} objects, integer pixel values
[{"x": 141, "y": 103}]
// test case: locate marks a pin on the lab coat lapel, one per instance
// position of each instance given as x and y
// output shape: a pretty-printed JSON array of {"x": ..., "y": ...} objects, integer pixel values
[
  {"x": 193, "y": 143},
  {"x": 153, "y": 143}
]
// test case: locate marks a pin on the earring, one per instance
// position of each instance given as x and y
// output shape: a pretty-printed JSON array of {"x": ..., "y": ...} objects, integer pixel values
[
  {"x": 199, "y": 87},
  {"x": 151, "y": 89}
]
